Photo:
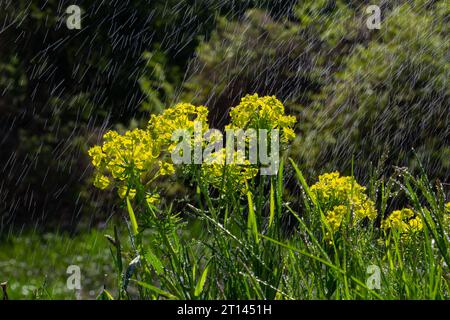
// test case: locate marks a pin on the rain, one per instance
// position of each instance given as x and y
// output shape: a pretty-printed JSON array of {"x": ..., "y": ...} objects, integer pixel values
[{"x": 370, "y": 100}]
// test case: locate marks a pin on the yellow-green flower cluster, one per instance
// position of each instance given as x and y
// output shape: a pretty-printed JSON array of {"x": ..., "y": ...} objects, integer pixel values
[
  {"x": 138, "y": 157},
  {"x": 404, "y": 221},
  {"x": 135, "y": 154},
  {"x": 182, "y": 116},
  {"x": 227, "y": 177},
  {"x": 263, "y": 113},
  {"x": 335, "y": 216},
  {"x": 123, "y": 158},
  {"x": 338, "y": 196}
]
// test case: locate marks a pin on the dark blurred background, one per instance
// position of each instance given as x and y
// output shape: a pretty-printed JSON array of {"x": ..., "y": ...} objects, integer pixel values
[{"x": 373, "y": 96}]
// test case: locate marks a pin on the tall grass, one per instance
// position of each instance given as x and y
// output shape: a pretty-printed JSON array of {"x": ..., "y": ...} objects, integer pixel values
[{"x": 244, "y": 251}]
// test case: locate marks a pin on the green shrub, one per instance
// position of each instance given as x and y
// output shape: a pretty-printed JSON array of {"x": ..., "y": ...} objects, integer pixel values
[
  {"x": 391, "y": 96},
  {"x": 256, "y": 54}
]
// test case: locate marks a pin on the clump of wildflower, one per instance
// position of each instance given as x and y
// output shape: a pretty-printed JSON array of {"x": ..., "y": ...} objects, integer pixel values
[
  {"x": 227, "y": 177},
  {"x": 166, "y": 168},
  {"x": 152, "y": 199},
  {"x": 101, "y": 181},
  {"x": 182, "y": 116},
  {"x": 191, "y": 120},
  {"x": 338, "y": 196},
  {"x": 404, "y": 221},
  {"x": 123, "y": 159},
  {"x": 335, "y": 217},
  {"x": 138, "y": 157},
  {"x": 123, "y": 191},
  {"x": 263, "y": 113}
]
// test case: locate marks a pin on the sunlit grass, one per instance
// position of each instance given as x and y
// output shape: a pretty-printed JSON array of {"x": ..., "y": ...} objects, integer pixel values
[{"x": 35, "y": 265}]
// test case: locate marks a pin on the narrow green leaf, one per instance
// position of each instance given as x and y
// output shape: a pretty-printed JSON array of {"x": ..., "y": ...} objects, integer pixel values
[
  {"x": 156, "y": 290},
  {"x": 306, "y": 254},
  {"x": 155, "y": 262},
  {"x": 133, "y": 220},
  {"x": 105, "y": 295},
  {"x": 301, "y": 179},
  {"x": 251, "y": 221},
  {"x": 272, "y": 204},
  {"x": 201, "y": 282},
  {"x": 280, "y": 186}
]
